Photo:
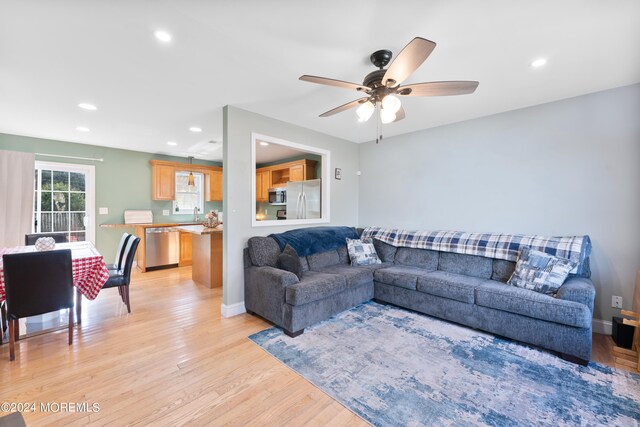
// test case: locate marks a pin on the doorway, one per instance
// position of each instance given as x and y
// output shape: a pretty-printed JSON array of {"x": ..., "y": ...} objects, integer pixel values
[{"x": 64, "y": 200}]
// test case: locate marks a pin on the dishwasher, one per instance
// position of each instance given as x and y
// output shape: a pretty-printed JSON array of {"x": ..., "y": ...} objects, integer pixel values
[{"x": 162, "y": 247}]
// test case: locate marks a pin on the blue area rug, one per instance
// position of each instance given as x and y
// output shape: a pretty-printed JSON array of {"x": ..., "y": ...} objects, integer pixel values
[{"x": 396, "y": 367}]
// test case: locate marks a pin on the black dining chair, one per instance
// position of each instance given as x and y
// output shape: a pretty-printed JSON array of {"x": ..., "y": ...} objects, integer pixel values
[
  {"x": 120, "y": 252},
  {"x": 121, "y": 276},
  {"x": 37, "y": 283},
  {"x": 3, "y": 319},
  {"x": 30, "y": 239}
]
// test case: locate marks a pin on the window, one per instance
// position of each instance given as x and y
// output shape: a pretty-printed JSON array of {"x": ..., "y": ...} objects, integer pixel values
[
  {"x": 63, "y": 200},
  {"x": 188, "y": 197}
]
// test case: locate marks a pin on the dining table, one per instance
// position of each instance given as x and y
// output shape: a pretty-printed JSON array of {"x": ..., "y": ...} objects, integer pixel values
[{"x": 90, "y": 272}]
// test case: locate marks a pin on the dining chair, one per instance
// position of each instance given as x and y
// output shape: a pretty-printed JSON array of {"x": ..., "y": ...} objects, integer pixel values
[
  {"x": 37, "y": 283},
  {"x": 12, "y": 419},
  {"x": 3, "y": 319},
  {"x": 121, "y": 277},
  {"x": 119, "y": 260},
  {"x": 30, "y": 239}
]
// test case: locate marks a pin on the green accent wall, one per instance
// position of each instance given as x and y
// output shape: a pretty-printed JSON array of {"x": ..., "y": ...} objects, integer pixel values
[{"x": 123, "y": 181}]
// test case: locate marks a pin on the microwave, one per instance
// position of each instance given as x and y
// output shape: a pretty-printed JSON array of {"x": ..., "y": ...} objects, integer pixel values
[{"x": 278, "y": 196}]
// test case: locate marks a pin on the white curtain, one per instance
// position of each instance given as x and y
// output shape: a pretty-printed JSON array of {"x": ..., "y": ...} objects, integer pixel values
[{"x": 17, "y": 178}]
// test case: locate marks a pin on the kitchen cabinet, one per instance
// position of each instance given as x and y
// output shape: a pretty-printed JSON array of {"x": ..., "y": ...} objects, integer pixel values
[
  {"x": 296, "y": 173},
  {"x": 186, "y": 254},
  {"x": 163, "y": 179},
  {"x": 263, "y": 183},
  {"x": 163, "y": 182},
  {"x": 299, "y": 170},
  {"x": 213, "y": 186}
]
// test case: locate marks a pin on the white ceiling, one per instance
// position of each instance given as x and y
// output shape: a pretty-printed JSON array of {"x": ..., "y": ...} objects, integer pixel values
[
  {"x": 54, "y": 55},
  {"x": 274, "y": 152}
]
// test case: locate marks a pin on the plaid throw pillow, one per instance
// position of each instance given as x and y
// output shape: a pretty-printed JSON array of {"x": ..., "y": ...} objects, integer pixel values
[
  {"x": 540, "y": 272},
  {"x": 362, "y": 252}
]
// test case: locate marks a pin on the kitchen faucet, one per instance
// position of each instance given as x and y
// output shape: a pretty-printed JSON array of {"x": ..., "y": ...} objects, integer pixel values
[{"x": 195, "y": 214}]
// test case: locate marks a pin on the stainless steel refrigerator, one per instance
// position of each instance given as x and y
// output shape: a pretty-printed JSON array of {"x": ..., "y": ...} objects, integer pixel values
[{"x": 303, "y": 199}]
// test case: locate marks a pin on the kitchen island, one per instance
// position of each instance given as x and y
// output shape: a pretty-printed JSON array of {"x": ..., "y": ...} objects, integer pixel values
[{"x": 206, "y": 267}]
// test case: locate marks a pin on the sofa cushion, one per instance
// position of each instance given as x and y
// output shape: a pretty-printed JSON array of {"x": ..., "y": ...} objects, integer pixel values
[
  {"x": 290, "y": 261},
  {"x": 385, "y": 251},
  {"x": 354, "y": 276},
  {"x": 263, "y": 251},
  {"x": 404, "y": 276},
  {"x": 540, "y": 272},
  {"x": 314, "y": 286},
  {"x": 423, "y": 258},
  {"x": 469, "y": 265},
  {"x": 451, "y": 285},
  {"x": 362, "y": 252},
  {"x": 533, "y": 304},
  {"x": 304, "y": 263},
  {"x": 502, "y": 270},
  {"x": 343, "y": 254},
  {"x": 323, "y": 259}
]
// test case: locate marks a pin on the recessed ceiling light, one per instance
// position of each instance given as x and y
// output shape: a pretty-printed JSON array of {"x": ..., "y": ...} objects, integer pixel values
[
  {"x": 195, "y": 129},
  {"x": 172, "y": 143},
  {"x": 538, "y": 63},
  {"x": 163, "y": 36},
  {"x": 264, "y": 144},
  {"x": 86, "y": 106},
  {"x": 83, "y": 129}
]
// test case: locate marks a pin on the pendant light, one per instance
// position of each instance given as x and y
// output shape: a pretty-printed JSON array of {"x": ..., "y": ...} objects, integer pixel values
[{"x": 191, "y": 181}]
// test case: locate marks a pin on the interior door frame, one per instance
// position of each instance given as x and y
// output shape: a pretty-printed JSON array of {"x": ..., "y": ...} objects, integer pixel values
[{"x": 90, "y": 190}]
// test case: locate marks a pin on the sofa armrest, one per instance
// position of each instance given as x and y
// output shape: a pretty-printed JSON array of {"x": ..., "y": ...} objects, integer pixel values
[
  {"x": 264, "y": 291},
  {"x": 578, "y": 289}
]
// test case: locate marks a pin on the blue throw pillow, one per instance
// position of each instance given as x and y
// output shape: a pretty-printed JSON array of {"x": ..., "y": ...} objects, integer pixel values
[
  {"x": 362, "y": 252},
  {"x": 540, "y": 272}
]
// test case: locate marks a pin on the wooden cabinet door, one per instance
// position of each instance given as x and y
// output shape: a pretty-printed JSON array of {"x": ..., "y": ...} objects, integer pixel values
[
  {"x": 296, "y": 173},
  {"x": 163, "y": 182},
  {"x": 213, "y": 186},
  {"x": 266, "y": 184},
  {"x": 263, "y": 183},
  {"x": 216, "y": 186},
  {"x": 186, "y": 255}
]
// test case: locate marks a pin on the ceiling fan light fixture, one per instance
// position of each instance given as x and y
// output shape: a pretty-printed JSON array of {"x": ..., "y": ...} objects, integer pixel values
[
  {"x": 365, "y": 111},
  {"x": 387, "y": 116},
  {"x": 391, "y": 103}
]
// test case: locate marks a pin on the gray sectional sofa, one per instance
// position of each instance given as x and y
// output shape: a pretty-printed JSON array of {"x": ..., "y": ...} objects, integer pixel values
[{"x": 465, "y": 289}]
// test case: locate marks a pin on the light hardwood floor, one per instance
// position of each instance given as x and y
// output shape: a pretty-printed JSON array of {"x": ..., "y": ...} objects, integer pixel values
[{"x": 173, "y": 360}]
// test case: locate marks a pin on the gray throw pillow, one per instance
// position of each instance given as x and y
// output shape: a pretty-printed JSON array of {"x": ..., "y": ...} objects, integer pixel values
[
  {"x": 540, "y": 272},
  {"x": 288, "y": 260},
  {"x": 362, "y": 252}
]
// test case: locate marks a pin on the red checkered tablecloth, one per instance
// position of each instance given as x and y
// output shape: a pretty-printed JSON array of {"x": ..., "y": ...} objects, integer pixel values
[{"x": 89, "y": 270}]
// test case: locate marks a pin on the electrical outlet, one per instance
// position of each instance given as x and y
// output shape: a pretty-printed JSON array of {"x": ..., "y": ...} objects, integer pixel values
[
  {"x": 103, "y": 211},
  {"x": 616, "y": 301},
  {"x": 165, "y": 212}
]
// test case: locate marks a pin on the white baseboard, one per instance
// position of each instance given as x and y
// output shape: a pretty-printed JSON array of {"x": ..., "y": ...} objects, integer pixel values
[
  {"x": 601, "y": 326},
  {"x": 232, "y": 309}
]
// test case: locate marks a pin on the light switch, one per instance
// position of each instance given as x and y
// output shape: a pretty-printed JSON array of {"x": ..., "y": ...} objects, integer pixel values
[
  {"x": 103, "y": 211},
  {"x": 165, "y": 212}
]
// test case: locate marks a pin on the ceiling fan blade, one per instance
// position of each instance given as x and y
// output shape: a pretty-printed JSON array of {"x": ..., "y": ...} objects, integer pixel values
[
  {"x": 344, "y": 107},
  {"x": 334, "y": 82},
  {"x": 399, "y": 115},
  {"x": 408, "y": 60},
  {"x": 438, "y": 88}
]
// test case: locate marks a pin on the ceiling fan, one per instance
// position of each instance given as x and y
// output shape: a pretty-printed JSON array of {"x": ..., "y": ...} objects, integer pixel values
[{"x": 382, "y": 86}]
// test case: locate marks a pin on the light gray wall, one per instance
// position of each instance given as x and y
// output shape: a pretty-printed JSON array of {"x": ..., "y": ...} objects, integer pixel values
[
  {"x": 563, "y": 168},
  {"x": 238, "y": 126}
]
